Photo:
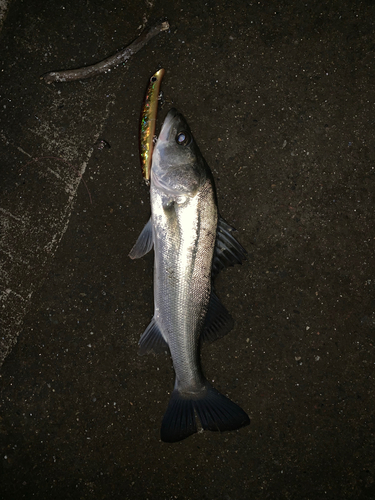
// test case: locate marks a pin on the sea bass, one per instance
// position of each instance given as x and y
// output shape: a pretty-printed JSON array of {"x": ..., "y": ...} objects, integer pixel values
[{"x": 191, "y": 244}]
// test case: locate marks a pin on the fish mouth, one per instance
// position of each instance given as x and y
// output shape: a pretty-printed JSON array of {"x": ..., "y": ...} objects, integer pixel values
[{"x": 167, "y": 125}]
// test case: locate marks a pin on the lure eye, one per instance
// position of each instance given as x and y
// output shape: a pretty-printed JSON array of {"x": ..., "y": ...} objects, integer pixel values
[{"x": 183, "y": 138}]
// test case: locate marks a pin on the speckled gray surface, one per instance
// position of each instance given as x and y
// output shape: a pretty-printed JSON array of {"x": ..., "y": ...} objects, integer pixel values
[{"x": 280, "y": 98}]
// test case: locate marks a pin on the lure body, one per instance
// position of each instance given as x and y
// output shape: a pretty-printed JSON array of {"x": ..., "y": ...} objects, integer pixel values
[{"x": 148, "y": 121}]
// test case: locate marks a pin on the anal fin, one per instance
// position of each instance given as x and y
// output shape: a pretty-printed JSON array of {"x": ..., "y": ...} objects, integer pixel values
[{"x": 152, "y": 340}]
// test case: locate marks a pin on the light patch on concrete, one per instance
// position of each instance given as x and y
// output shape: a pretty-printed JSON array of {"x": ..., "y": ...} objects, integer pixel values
[
  {"x": 35, "y": 216},
  {"x": 40, "y": 238}
]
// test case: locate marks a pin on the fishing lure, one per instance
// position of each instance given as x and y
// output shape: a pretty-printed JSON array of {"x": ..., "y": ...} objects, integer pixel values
[{"x": 148, "y": 121}]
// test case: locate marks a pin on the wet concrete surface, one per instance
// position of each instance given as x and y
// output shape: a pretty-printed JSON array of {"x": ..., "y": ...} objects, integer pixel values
[{"x": 280, "y": 98}]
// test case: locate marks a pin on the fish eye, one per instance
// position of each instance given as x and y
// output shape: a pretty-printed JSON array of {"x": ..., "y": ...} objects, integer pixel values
[{"x": 183, "y": 138}]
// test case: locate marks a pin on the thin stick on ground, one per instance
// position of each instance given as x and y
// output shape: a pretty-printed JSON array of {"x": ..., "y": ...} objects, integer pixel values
[{"x": 109, "y": 63}]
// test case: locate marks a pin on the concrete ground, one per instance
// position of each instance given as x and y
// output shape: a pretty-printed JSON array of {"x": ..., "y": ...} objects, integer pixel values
[{"x": 280, "y": 98}]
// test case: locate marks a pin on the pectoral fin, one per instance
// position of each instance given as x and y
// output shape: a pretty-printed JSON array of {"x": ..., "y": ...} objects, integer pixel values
[{"x": 144, "y": 242}]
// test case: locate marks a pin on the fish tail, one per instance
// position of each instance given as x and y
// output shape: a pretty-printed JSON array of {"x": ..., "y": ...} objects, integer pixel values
[{"x": 215, "y": 412}]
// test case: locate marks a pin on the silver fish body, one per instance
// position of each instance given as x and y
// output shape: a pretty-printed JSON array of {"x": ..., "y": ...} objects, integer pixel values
[{"x": 191, "y": 244}]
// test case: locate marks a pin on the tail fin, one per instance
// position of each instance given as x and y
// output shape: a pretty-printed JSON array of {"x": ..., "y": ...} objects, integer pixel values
[{"x": 215, "y": 412}]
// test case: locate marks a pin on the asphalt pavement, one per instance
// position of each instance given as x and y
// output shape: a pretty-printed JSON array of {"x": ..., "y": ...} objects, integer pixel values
[{"x": 280, "y": 98}]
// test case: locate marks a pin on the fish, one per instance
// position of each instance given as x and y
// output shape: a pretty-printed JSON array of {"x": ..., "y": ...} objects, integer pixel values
[
  {"x": 191, "y": 243},
  {"x": 148, "y": 121}
]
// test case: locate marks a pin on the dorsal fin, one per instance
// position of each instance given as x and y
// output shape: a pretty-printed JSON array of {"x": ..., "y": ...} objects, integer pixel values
[
  {"x": 218, "y": 321},
  {"x": 228, "y": 251}
]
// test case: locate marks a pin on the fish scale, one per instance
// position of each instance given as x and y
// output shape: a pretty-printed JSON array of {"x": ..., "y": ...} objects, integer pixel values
[{"x": 185, "y": 300}]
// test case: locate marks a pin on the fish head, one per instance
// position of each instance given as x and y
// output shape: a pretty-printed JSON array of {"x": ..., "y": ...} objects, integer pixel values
[{"x": 178, "y": 168}]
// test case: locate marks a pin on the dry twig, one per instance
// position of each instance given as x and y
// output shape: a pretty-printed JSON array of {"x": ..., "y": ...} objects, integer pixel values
[{"x": 122, "y": 56}]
